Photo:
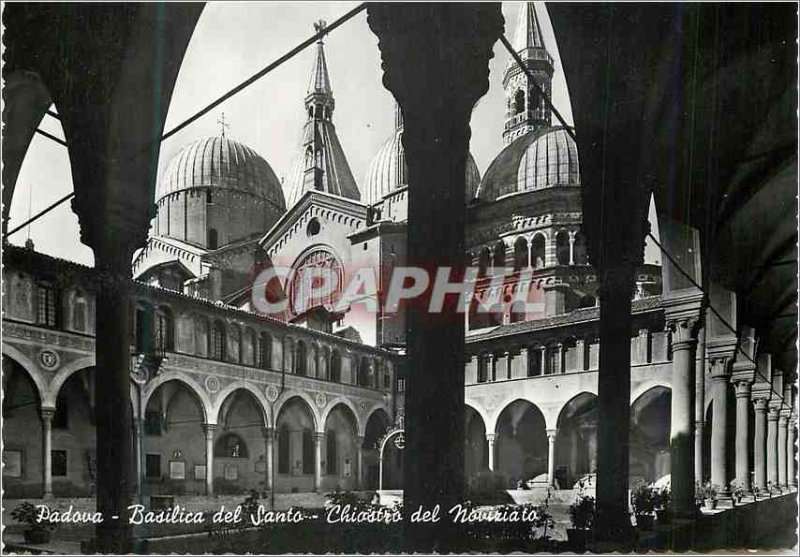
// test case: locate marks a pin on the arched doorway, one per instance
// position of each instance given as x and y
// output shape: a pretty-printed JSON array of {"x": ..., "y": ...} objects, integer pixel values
[
  {"x": 173, "y": 445},
  {"x": 377, "y": 425},
  {"x": 240, "y": 450},
  {"x": 476, "y": 447},
  {"x": 340, "y": 451},
  {"x": 22, "y": 433},
  {"x": 576, "y": 441},
  {"x": 520, "y": 443},
  {"x": 649, "y": 437},
  {"x": 295, "y": 429}
]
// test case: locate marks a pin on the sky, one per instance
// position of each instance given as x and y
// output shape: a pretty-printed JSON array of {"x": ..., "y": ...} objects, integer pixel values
[{"x": 234, "y": 40}]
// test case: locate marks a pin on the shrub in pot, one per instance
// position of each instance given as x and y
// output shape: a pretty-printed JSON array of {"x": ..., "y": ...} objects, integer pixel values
[
  {"x": 710, "y": 492},
  {"x": 643, "y": 503},
  {"x": 661, "y": 501},
  {"x": 737, "y": 491},
  {"x": 581, "y": 515},
  {"x": 36, "y": 532}
]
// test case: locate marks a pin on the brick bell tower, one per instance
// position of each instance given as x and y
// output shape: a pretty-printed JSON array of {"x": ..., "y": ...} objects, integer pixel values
[{"x": 526, "y": 109}]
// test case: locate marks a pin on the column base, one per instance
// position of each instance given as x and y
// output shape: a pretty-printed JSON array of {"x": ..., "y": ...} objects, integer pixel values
[
  {"x": 48, "y": 496},
  {"x": 724, "y": 501}
]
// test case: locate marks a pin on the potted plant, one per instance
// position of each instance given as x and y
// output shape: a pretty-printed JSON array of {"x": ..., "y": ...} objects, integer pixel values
[
  {"x": 581, "y": 514},
  {"x": 643, "y": 503},
  {"x": 37, "y": 532},
  {"x": 710, "y": 495},
  {"x": 756, "y": 492},
  {"x": 661, "y": 504},
  {"x": 737, "y": 491}
]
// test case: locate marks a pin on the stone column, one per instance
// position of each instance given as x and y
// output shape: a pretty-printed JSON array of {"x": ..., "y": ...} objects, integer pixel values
[
  {"x": 580, "y": 350},
  {"x": 743, "y": 389},
  {"x": 551, "y": 456},
  {"x": 699, "y": 405},
  {"x": 613, "y": 402},
  {"x": 760, "y": 406},
  {"x": 47, "y": 452},
  {"x": 684, "y": 343},
  {"x": 436, "y": 72},
  {"x": 208, "y": 431},
  {"x": 719, "y": 430},
  {"x": 269, "y": 457},
  {"x": 772, "y": 447},
  {"x": 783, "y": 422},
  {"x": 490, "y": 440},
  {"x": 360, "y": 462},
  {"x": 116, "y": 480},
  {"x": 318, "y": 439},
  {"x": 559, "y": 358},
  {"x": 572, "y": 247},
  {"x": 138, "y": 442},
  {"x": 791, "y": 464}
]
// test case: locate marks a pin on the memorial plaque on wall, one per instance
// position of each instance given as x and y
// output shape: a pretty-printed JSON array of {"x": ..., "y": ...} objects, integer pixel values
[{"x": 177, "y": 470}]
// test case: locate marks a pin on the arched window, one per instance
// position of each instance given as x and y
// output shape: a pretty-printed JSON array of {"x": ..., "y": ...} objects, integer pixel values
[
  {"x": 517, "y": 312},
  {"x": 519, "y": 102},
  {"x": 520, "y": 253},
  {"x": 79, "y": 311},
  {"x": 562, "y": 247},
  {"x": 579, "y": 253},
  {"x": 301, "y": 359},
  {"x": 331, "y": 456},
  {"x": 47, "y": 305},
  {"x": 164, "y": 329},
  {"x": 284, "y": 449},
  {"x": 363, "y": 372},
  {"x": 484, "y": 257},
  {"x": 483, "y": 368},
  {"x": 264, "y": 352},
  {"x": 534, "y": 362},
  {"x": 335, "y": 373},
  {"x": 216, "y": 348},
  {"x": 538, "y": 251},
  {"x": 499, "y": 259},
  {"x": 213, "y": 241},
  {"x": 230, "y": 445}
]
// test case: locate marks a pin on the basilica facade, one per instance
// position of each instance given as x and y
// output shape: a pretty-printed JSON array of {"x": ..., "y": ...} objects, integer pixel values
[{"x": 226, "y": 398}]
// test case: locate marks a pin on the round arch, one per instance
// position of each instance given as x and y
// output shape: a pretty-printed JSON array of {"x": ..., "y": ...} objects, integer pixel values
[
  {"x": 520, "y": 445},
  {"x": 231, "y": 390},
  {"x": 64, "y": 373},
  {"x": 31, "y": 369},
  {"x": 206, "y": 406},
  {"x": 576, "y": 441},
  {"x": 306, "y": 400},
  {"x": 650, "y": 434},
  {"x": 360, "y": 426},
  {"x": 476, "y": 445}
]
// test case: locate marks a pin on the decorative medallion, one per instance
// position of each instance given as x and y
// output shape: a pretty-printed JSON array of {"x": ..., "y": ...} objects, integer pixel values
[
  {"x": 400, "y": 441},
  {"x": 272, "y": 393},
  {"x": 363, "y": 405},
  {"x": 177, "y": 454},
  {"x": 321, "y": 400},
  {"x": 48, "y": 359},
  {"x": 212, "y": 384}
]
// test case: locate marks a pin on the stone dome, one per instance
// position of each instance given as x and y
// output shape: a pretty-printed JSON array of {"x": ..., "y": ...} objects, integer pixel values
[
  {"x": 387, "y": 171},
  {"x": 543, "y": 158},
  {"x": 220, "y": 162}
]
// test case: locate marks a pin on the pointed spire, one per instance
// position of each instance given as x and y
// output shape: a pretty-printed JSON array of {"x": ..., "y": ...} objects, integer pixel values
[
  {"x": 320, "y": 82},
  {"x": 529, "y": 34},
  {"x": 319, "y": 99}
]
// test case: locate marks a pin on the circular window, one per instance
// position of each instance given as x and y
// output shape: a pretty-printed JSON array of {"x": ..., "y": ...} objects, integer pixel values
[{"x": 313, "y": 227}]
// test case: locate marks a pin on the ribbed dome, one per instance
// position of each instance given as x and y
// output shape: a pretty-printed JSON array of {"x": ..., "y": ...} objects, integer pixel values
[
  {"x": 220, "y": 162},
  {"x": 388, "y": 171},
  {"x": 544, "y": 158}
]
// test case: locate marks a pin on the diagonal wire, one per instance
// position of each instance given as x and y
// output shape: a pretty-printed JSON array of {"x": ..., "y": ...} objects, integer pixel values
[{"x": 544, "y": 95}]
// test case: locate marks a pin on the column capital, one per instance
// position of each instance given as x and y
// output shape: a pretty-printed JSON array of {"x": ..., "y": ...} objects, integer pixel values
[
  {"x": 773, "y": 414},
  {"x": 761, "y": 404},
  {"x": 684, "y": 329},
  {"x": 783, "y": 420},
  {"x": 209, "y": 429},
  {"x": 319, "y": 436},
  {"x": 359, "y": 440},
  {"x": 682, "y": 316},
  {"x": 720, "y": 366},
  {"x": 47, "y": 413},
  {"x": 552, "y": 434},
  {"x": 743, "y": 387},
  {"x": 490, "y": 438},
  {"x": 269, "y": 433}
]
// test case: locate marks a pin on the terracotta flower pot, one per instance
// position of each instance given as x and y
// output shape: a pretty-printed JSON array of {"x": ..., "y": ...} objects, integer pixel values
[{"x": 711, "y": 504}]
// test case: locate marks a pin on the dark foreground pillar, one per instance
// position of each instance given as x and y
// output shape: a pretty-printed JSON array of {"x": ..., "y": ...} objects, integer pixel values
[
  {"x": 435, "y": 62},
  {"x": 613, "y": 401},
  {"x": 116, "y": 480}
]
